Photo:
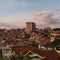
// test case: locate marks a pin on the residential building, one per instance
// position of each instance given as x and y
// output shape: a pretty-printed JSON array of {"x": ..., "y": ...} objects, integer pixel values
[{"x": 30, "y": 27}]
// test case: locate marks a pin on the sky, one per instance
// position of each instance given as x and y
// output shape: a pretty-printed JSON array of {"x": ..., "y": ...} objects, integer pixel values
[{"x": 15, "y": 13}]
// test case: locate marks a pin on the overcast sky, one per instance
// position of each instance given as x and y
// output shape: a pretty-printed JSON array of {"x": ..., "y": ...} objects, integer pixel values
[{"x": 15, "y": 13}]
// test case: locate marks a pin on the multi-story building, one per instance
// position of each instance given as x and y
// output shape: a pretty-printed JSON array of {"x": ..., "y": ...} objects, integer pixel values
[
  {"x": 55, "y": 34},
  {"x": 30, "y": 27}
]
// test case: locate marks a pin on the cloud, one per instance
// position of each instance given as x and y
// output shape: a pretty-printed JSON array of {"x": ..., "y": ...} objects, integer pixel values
[
  {"x": 8, "y": 26},
  {"x": 13, "y": 22},
  {"x": 56, "y": 10},
  {"x": 42, "y": 19},
  {"x": 46, "y": 18},
  {"x": 49, "y": 18},
  {"x": 40, "y": 13}
]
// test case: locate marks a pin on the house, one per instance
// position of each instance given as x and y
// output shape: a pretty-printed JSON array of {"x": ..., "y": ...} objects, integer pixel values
[
  {"x": 6, "y": 51},
  {"x": 33, "y": 52},
  {"x": 32, "y": 56},
  {"x": 28, "y": 52},
  {"x": 50, "y": 55}
]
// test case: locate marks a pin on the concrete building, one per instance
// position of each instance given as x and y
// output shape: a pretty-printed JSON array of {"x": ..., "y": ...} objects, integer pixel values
[
  {"x": 55, "y": 34},
  {"x": 30, "y": 27}
]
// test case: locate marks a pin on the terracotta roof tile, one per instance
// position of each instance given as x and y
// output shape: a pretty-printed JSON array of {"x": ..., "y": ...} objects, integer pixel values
[{"x": 47, "y": 53}]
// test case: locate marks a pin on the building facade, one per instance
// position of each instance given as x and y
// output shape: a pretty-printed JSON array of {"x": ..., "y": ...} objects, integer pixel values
[{"x": 30, "y": 26}]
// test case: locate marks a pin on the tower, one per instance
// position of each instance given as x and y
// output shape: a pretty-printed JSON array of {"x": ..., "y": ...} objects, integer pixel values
[{"x": 30, "y": 27}]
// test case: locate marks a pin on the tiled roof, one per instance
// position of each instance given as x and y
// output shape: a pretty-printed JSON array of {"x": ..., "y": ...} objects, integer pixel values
[
  {"x": 44, "y": 53},
  {"x": 46, "y": 40},
  {"x": 24, "y": 49},
  {"x": 50, "y": 54}
]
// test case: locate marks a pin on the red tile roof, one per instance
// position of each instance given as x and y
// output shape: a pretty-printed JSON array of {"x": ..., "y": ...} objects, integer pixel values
[
  {"x": 49, "y": 54},
  {"x": 46, "y": 40}
]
